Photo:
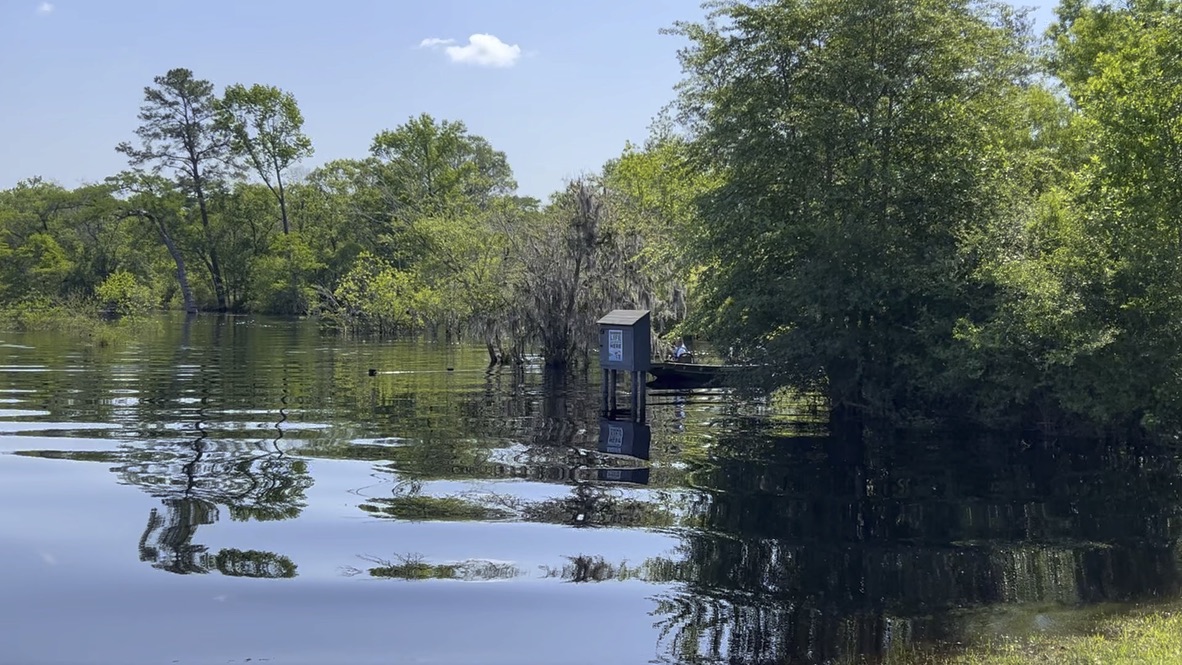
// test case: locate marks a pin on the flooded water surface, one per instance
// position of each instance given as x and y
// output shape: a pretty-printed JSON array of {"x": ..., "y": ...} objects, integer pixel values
[{"x": 243, "y": 490}]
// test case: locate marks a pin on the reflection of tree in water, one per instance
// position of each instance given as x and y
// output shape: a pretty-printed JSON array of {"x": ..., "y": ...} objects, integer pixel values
[
  {"x": 816, "y": 548},
  {"x": 258, "y": 484},
  {"x": 266, "y": 486},
  {"x": 251, "y": 479},
  {"x": 803, "y": 549},
  {"x": 167, "y": 543},
  {"x": 584, "y": 568},
  {"x": 172, "y": 547}
]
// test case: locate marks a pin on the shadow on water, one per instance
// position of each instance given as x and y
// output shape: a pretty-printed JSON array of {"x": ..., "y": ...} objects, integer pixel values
[{"x": 790, "y": 544}]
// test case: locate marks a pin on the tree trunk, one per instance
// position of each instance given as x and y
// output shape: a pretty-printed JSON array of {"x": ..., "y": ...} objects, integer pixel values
[
  {"x": 282, "y": 202},
  {"x": 182, "y": 275},
  {"x": 215, "y": 268}
]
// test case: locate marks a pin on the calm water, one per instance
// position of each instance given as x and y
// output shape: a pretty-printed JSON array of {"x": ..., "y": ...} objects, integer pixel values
[{"x": 241, "y": 489}]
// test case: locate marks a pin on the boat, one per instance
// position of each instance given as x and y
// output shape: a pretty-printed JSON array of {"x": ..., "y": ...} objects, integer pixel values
[{"x": 688, "y": 374}]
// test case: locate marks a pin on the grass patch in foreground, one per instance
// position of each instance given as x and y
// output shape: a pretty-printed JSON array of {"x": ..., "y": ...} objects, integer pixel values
[{"x": 1147, "y": 638}]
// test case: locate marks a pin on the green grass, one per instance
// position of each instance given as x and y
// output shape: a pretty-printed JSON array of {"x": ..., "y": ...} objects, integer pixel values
[
  {"x": 41, "y": 314},
  {"x": 1140, "y": 638},
  {"x": 78, "y": 317}
]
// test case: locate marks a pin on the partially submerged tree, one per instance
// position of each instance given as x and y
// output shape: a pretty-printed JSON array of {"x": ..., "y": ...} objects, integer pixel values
[
  {"x": 578, "y": 261},
  {"x": 32, "y": 259},
  {"x": 1122, "y": 70},
  {"x": 653, "y": 190},
  {"x": 55, "y": 242}
]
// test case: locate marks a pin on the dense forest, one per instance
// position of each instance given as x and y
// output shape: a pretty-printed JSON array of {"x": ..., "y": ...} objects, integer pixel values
[{"x": 915, "y": 207}]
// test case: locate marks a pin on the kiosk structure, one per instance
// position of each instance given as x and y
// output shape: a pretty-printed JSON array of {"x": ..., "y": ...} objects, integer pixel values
[{"x": 625, "y": 344}]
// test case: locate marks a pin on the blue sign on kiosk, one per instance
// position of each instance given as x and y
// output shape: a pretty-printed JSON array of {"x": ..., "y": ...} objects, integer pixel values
[{"x": 624, "y": 340}]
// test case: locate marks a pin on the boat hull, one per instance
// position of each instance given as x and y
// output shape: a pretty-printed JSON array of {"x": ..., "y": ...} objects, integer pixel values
[{"x": 687, "y": 375}]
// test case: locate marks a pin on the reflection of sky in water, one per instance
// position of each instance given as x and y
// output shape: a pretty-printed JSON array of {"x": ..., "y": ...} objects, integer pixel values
[{"x": 21, "y": 413}]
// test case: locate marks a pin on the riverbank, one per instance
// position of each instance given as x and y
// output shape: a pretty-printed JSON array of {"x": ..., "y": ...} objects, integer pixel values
[{"x": 76, "y": 318}]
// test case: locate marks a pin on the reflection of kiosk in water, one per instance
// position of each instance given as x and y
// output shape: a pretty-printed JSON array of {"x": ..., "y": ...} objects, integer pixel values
[
  {"x": 627, "y": 438},
  {"x": 631, "y": 476},
  {"x": 624, "y": 437}
]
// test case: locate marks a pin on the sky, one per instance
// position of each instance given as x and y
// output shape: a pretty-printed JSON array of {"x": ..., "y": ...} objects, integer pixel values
[{"x": 559, "y": 86}]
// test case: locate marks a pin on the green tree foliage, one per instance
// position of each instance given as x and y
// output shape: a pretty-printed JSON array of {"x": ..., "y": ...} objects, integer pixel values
[
  {"x": 122, "y": 294},
  {"x": 654, "y": 191},
  {"x": 1122, "y": 69},
  {"x": 376, "y": 294},
  {"x": 859, "y": 145},
  {"x": 38, "y": 267},
  {"x": 267, "y": 129},
  {"x": 466, "y": 266},
  {"x": 430, "y": 168},
  {"x": 339, "y": 210},
  {"x": 1086, "y": 330},
  {"x": 426, "y": 212},
  {"x": 247, "y": 218},
  {"x": 54, "y": 242},
  {"x": 284, "y": 276}
]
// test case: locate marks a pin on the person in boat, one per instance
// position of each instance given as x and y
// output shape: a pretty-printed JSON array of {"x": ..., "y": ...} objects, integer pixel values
[{"x": 680, "y": 353}]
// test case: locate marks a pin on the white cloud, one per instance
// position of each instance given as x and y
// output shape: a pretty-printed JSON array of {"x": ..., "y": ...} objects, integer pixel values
[
  {"x": 45, "y": 8},
  {"x": 481, "y": 50}
]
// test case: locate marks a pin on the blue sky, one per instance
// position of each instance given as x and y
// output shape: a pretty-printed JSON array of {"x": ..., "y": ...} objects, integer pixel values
[{"x": 559, "y": 86}]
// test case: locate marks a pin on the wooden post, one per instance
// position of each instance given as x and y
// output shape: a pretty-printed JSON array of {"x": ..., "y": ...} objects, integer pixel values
[
  {"x": 606, "y": 407},
  {"x": 644, "y": 398},
  {"x": 637, "y": 396}
]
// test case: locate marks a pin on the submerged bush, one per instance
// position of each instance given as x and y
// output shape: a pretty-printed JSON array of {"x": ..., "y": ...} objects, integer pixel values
[{"x": 121, "y": 294}]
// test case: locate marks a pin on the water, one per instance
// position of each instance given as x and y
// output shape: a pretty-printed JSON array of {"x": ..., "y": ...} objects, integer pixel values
[{"x": 241, "y": 488}]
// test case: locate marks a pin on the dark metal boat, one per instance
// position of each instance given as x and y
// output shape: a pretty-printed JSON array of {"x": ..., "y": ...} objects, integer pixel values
[{"x": 688, "y": 375}]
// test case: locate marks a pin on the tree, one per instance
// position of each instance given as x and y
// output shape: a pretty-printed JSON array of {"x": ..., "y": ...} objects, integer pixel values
[
  {"x": 1122, "y": 69},
  {"x": 469, "y": 268},
  {"x": 577, "y": 262},
  {"x": 654, "y": 190},
  {"x": 283, "y": 277},
  {"x": 54, "y": 242},
  {"x": 438, "y": 168},
  {"x": 179, "y": 134},
  {"x": 267, "y": 130},
  {"x": 857, "y": 144},
  {"x": 32, "y": 259},
  {"x": 425, "y": 214}
]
